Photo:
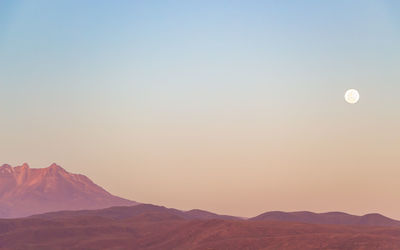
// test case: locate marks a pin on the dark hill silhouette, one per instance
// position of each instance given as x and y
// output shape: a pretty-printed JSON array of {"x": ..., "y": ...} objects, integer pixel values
[
  {"x": 337, "y": 218},
  {"x": 126, "y": 212}
]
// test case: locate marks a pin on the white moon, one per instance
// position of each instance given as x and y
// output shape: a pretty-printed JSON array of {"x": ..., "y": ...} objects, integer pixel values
[{"x": 352, "y": 96}]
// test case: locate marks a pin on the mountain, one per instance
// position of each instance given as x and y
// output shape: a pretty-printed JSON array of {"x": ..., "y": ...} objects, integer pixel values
[
  {"x": 126, "y": 212},
  {"x": 201, "y": 214},
  {"x": 337, "y": 218},
  {"x": 155, "y": 227},
  {"x": 25, "y": 191}
]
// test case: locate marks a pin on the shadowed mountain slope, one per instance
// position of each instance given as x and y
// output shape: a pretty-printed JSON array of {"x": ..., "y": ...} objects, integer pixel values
[{"x": 126, "y": 212}]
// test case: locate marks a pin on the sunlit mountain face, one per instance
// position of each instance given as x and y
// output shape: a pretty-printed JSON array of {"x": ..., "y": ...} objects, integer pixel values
[{"x": 25, "y": 191}]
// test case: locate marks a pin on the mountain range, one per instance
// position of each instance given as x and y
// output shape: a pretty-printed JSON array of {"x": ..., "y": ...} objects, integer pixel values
[
  {"x": 26, "y": 191},
  {"x": 62, "y": 210}
]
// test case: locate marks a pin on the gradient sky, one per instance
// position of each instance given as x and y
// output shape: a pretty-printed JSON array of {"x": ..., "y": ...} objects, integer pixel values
[{"x": 230, "y": 106}]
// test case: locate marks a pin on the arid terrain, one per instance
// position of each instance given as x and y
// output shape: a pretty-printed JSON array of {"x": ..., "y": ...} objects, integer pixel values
[{"x": 154, "y": 227}]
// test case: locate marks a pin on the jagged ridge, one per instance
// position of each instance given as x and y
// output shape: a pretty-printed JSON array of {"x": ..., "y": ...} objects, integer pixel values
[{"x": 25, "y": 191}]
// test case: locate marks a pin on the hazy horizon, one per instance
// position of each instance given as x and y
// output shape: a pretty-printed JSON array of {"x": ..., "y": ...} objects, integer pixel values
[{"x": 231, "y": 107}]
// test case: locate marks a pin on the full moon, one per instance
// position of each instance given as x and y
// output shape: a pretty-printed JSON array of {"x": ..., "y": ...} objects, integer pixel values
[{"x": 352, "y": 96}]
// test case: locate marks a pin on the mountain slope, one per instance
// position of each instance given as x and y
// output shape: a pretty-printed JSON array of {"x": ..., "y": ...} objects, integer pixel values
[
  {"x": 201, "y": 214},
  {"x": 125, "y": 212},
  {"x": 337, "y": 218},
  {"x": 25, "y": 191}
]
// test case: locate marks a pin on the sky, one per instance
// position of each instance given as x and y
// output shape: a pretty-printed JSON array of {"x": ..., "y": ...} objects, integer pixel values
[{"x": 235, "y": 107}]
